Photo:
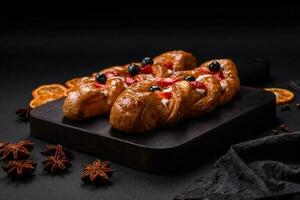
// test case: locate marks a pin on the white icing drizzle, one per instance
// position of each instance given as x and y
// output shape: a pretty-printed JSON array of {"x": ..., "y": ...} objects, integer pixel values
[
  {"x": 203, "y": 76},
  {"x": 223, "y": 84},
  {"x": 169, "y": 89},
  {"x": 85, "y": 89},
  {"x": 222, "y": 67},
  {"x": 201, "y": 91},
  {"x": 149, "y": 77},
  {"x": 104, "y": 92},
  {"x": 165, "y": 101},
  {"x": 73, "y": 95},
  {"x": 125, "y": 85},
  {"x": 178, "y": 57}
]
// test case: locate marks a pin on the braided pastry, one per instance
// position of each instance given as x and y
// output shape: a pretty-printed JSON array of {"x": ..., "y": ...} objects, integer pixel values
[
  {"x": 95, "y": 95},
  {"x": 147, "y": 105},
  {"x": 226, "y": 72},
  {"x": 168, "y": 63}
]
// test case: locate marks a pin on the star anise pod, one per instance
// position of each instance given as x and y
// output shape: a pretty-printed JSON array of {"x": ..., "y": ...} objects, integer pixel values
[
  {"x": 285, "y": 128},
  {"x": 23, "y": 114},
  {"x": 275, "y": 132},
  {"x": 99, "y": 172},
  {"x": 57, "y": 162},
  {"x": 20, "y": 150},
  {"x": 20, "y": 168},
  {"x": 51, "y": 150}
]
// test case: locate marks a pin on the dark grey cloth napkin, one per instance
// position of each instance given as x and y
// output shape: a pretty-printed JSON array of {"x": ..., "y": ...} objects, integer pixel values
[{"x": 266, "y": 168}]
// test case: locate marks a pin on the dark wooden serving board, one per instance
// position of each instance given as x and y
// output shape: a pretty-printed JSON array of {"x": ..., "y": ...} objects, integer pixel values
[{"x": 167, "y": 149}]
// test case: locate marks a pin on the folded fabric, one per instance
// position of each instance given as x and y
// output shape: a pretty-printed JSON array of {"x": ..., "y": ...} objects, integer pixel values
[{"x": 264, "y": 168}]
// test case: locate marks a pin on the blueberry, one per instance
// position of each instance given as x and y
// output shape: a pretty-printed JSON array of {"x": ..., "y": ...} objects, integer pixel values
[
  {"x": 189, "y": 78},
  {"x": 154, "y": 88},
  {"x": 147, "y": 61},
  {"x": 214, "y": 66},
  {"x": 101, "y": 78},
  {"x": 133, "y": 69}
]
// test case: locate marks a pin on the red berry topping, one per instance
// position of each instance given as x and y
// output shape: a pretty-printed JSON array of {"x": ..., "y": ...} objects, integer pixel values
[
  {"x": 198, "y": 85},
  {"x": 111, "y": 74},
  {"x": 165, "y": 81},
  {"x": 147, "y": 69},
  {"x": 218, "y": 75},
  {"x": 165, "y": 95},
  {"x": 99, "y": 85},
  {"x": 129, "y": 80},
  {"x": 168, "y": 64},
  {"x": 204, "y": 70}
]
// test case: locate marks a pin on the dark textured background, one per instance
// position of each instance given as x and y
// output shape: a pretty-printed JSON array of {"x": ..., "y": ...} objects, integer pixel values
[{"x": 38, "y": 48}]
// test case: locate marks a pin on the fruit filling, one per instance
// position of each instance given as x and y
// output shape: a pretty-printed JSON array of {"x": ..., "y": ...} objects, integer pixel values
[{"x": 218, "y": 74}]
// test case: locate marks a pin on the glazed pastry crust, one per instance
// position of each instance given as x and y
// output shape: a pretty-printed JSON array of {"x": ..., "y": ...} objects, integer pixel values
[
  {"x": 138, "y": 110},
  {"x": 178, "y": 60},
  {"x": 85, "y": 100},
  {"x": 202, "y": 103},
  {"x": 134, "y": 108},
  {"x": 231, "y": 82}
]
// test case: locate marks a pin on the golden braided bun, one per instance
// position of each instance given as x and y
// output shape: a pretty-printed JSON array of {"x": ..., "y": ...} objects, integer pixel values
[
  {"x": 138, "y": 109},
  {"x": 89, "y": 98},
  {"x": 190, "y": 93}
]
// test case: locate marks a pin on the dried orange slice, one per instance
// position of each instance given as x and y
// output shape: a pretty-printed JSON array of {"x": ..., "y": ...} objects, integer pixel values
[
  {"x": 283, "y": 96},
  {"x": 40, "y": 101},
  {"x": 50, "y": 90},
  {"x": 75, "y": 81},
  {"x": 47, "y": 93}
]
